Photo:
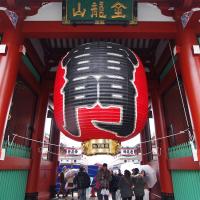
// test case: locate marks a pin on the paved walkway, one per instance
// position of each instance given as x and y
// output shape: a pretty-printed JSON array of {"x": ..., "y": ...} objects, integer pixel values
[{"x": 75, "y": 197}]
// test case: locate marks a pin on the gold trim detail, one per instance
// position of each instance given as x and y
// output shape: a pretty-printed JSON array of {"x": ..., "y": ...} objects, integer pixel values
[{"x": 101, "y": 146}]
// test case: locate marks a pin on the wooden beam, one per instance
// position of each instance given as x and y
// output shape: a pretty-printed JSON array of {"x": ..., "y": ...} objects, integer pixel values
[
  {"x": 11, "y": 3},
  {"x": 164, "y": 58},
  {"x": 194, "y": 22},
  {"x": 5, "y": 22},
  {"x": 187, "y": 3},
  {"x": 14, "y": 163},
  {"x": 50, "y": 78},
  {"x": 143, "y": 30},
  {"x": 35, "y": 59},
  {"x": 197, "y": 29},
  {"x": 167, "y": 81},
  {"x": 37, "y": 3},
  {"x": 185, "y": 163},
  {"x": 28, "y": 77}
]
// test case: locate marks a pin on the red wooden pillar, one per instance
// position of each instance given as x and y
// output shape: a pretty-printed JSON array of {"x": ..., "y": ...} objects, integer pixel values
[
  {"x": 9, "y": 65},
  {"x": 146, "y": 147},
  {"x": 34, "y": 173},
  {"x": 56, "y": 150},
  {"x": 165, "y": 176},
  {"x": 143, "y": 147},
  {"x": 190, "y": 71}
]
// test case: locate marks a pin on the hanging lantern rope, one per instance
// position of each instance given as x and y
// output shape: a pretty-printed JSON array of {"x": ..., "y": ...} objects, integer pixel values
[
  {"x": 191, "y": 137},
  {"x": 51, "y": 144},
  {"x": 57, "y": 145}
]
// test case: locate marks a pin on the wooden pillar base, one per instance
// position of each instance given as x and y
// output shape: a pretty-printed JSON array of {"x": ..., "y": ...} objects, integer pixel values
[
  {"x": 167, "y": 196},
  {"x": 31, "y": 196},
  {"x": 52, "y": 190}
]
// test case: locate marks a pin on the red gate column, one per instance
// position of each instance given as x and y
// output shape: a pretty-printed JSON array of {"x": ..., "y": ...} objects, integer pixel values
[
  {"x": 34, "y": 173},
  {"x": 190, "y": 71},
  {"x": 165, "y": 176},
  {"x": 143, "y": 148},
  {"x": 56, "y": 150},
  {"x": 9, "y": 65},
  {"x": 144, "y": 136}
]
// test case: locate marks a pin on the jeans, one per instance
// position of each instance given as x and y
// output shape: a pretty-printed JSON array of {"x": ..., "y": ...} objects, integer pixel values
[
  {"x": 128, "y": 198},
  {"x": 139, "y": 197},
  {"x": 100, "y": 196},
  {"x": 113, "y": 193},
  {"x": 82, "y": 193}
]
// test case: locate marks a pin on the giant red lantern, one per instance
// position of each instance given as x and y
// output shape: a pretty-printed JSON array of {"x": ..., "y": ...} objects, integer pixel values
[{"x": 100, "y": 93}]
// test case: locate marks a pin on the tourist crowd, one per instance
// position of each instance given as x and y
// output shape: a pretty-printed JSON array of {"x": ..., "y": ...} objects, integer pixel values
[{"x": 127, "y": 186}]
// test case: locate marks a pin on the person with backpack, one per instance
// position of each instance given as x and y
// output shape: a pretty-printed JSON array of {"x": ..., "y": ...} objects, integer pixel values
[
  {"x": 82, "y": 180},
  {"x": 139, "y": 185},
  {"x": 126, "y": 186}
]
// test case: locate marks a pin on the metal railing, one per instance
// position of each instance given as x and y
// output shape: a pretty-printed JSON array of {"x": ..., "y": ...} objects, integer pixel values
[
  {"x": 182, "y": 150},
  {"x": 17, "y": 150},
  {"x": 13, "y": 182},
  {"x": 186, "y": 183}
]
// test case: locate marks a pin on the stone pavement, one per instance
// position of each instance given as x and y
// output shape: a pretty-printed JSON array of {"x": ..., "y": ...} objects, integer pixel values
[{"x": 75, "y": 197}]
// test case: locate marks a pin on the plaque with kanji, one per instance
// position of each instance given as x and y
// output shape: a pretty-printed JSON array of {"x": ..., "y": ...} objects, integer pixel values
[{"x": 99, "y": 12}]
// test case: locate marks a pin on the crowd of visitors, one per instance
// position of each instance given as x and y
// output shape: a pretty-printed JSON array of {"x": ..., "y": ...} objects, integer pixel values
[{"x": 120, "y": 186}]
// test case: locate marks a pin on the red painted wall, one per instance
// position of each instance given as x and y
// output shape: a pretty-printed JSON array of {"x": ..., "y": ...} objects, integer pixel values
[
  {"x": 21, "y": 112},
  {"x": 45, "y": 180},
  {"x": 174, "y": 114}
]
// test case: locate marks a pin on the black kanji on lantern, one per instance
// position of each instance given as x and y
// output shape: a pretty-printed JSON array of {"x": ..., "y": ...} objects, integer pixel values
[{"x": 100, "y": 73}]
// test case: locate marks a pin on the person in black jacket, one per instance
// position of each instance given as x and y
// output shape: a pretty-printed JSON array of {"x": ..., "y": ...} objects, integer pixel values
[
  {"x": 82, "y": 180},
  {"x": 114, "y": 185},
  {"x": 125, "y": 186},
  {"x": 139, "y": 184}
]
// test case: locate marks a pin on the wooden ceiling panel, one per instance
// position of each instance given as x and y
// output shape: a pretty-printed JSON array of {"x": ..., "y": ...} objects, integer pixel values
[{"x": 56, "y": 48}]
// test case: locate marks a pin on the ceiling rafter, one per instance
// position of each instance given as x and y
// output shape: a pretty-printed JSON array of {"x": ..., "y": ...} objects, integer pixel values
[
  {"x": 34, "y": 56},
  {"x": 53, "y": 51}
]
